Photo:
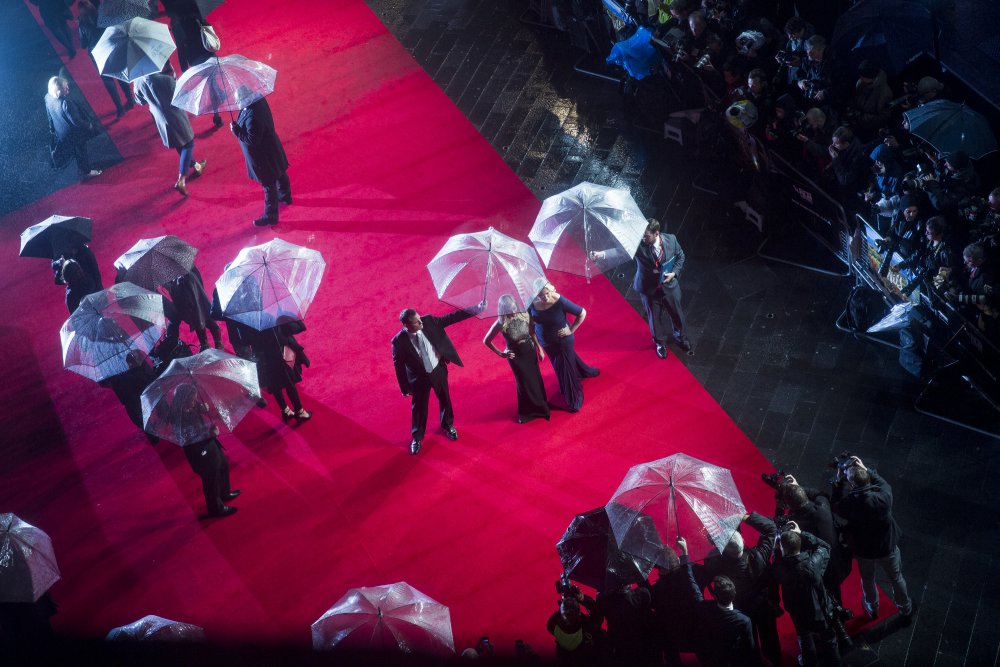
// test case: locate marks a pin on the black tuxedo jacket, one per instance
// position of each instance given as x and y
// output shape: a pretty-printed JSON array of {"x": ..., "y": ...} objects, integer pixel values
[
  {"x": 409, "y": 366},
  {"x": 262, "y": 149},
  {"x": 647, "y": 277}
]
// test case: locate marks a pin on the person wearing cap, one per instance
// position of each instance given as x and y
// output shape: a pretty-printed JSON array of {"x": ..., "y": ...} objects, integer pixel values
[
  {"x": 870, "y": 106},
  {"x": 929, "y": 89}
]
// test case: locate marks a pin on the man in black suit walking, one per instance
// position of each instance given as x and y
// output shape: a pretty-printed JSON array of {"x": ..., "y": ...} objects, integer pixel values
[
  {"x": 265, "y": 156},
  {"x": 421, "y": 352}
]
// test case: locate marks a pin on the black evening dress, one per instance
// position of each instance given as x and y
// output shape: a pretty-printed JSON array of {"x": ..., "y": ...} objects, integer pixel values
[
  {"x": 570, "y": 369},
  {"x": 531, "y": 401}
]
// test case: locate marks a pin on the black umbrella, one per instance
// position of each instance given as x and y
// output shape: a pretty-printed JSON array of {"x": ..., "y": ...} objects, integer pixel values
[
  {"x": 113, "y": 12},
  {"x": 55, "y": 236},
  {"x": 888, "y": 32},
  {"x": 590, "y": 554},
  {"x": 949, "y": 126}
]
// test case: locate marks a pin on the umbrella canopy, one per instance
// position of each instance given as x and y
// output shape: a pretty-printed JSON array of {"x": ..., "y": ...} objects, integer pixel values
[
  {"x": 113, "y": 12},
  {"x": 27, "y": 562},
  {"x": 102, "y": 336},
  {"x": 55, "y": 236},
  {"x": 133, "y": 49},
  {"x": 583, "y": 219},
  {"x": 396, "y": 617},
  {"x": 229, "y": 83},
  {"x": 684, "y": 497},
  {"x": 475, "y": 268},
  {"x": 949, "y": 126},
  {"x": 590, "y": 554},
  {"x": 157, "y": 629},
  {"x": 195, "y": 395},
  {"x": 270, "y": 284},
  {"x": 891, "y": 33},
  {"x": 206, "y": 7},
  {"x": 154, "y": 262}
]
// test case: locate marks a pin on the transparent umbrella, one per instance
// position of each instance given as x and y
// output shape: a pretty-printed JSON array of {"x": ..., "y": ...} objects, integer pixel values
[
  {"x": 396, "y": 617},
  {"x": 154, "y": 262},
  {"x": 478, "y": 267},
  {"x": 590, "y": 554},
  {"x": 55, "y": 236},
  {"x": 197, "y": 395},
  {"x": 27, "y": 562},
  {"x": 684, "y": 497},
  {"x": 157, "y": 629},
  {"x": 133, "y": 49},
  {"x": 270, "y": 284},
  {"x": 107, "y": 327},
  {"x": 229, "y": 83},
  {"x": 587, "y": 218}
]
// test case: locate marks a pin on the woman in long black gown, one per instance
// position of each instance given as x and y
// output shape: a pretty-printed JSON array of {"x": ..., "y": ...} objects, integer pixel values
[
  {"x": 522, "y": 353},
  {"x": 555, "y": 334}
]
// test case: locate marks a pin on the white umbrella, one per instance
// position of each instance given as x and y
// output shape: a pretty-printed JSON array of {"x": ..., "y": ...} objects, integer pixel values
[
  {"x": 27, "y": 562},
  {"x": 587, "y": 218},
  {"x": 481, "y": 267},
  {"x": 133, "y": 49}
]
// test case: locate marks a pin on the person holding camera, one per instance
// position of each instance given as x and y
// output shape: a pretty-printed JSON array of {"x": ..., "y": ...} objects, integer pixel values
[
  {"x": 745, "y": 567},
  {"x": 953, "y": 182},
  {"x": 674, "y": 624},
  {"x": 577, "y": 634},
  {"x": 727, "y": 637},
  {"x": 864, "y": 499},
  {"x": 810, "y": 509},
  {"x": 976, "y": 291},
  {"x": 627, "y": 612},
  {"x": 798, "y": 571}
]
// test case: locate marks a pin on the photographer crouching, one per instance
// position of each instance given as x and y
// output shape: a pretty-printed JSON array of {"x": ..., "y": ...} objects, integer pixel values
[{"x": 864, "y": 499}]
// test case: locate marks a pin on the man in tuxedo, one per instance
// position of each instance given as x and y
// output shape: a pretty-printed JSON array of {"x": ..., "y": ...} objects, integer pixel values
[
  {"x": 421, "y": 352},
  {"x": 658, "y": 265}
]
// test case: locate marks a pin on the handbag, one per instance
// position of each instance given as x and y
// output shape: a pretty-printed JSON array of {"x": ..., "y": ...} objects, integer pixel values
[
  {"x": 288, "y": 354},
  {"x": 209, "y": 39}
]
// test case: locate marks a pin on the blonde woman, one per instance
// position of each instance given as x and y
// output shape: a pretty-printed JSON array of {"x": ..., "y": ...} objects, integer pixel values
[
  {"x": 556, "y": 335},
  {"x": 522, "y": 352}
]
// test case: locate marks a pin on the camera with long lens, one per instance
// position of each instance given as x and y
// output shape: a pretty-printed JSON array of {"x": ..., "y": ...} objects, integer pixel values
[
  {"x": 774, "y": 479},
  {"x": 565, "y": 587},
  {"x": 842, "y": 461}
]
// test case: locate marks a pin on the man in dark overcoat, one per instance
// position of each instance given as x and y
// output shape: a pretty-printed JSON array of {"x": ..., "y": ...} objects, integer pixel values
[
  {"x": 421, "y": 352},
  {"x": 265, "y": 157},
  {"x": 69, "y": 127}
]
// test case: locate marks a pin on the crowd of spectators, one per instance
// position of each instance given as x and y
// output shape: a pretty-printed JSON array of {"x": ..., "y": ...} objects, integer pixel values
[
  {"x": 797, "y": 565},
  {"x": 771, "y": 78}
]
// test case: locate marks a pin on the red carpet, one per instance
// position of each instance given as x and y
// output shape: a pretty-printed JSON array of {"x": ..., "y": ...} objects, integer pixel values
[{"x": 384, "y": 169}]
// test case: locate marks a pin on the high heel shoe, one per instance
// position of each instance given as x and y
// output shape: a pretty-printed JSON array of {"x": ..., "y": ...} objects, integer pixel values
[
  {"x": 181, "y": 187},
  {"x": 302, "y": 415},
  {"x": 287, "y": 414}
]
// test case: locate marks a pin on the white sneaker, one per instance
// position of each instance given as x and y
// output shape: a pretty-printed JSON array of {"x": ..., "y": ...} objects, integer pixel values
[{"x": 92, "y": 173}]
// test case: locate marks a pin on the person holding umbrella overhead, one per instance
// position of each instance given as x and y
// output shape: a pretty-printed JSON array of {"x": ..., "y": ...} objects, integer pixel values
[
  {"x": 205, "y": 456},
  {"x": 186, "y": 21},
  {"x": 265, "y": 157},
  {"x": 421, "y": 352},
  {"x": 157, "y": 90}
]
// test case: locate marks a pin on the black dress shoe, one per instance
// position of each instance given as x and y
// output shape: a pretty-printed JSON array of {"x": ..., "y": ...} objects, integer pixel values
[
  {"x": 415, "y": 447},
  {"x": 451, "y": 433},
  {"x": 286, "y": 200},
  {"x": 684, "y": 343},
  {"x": 225, "y": 511},
  {"x": 232, "y": 495},
  {"x": 265, "y": 220},
  {"x": 661, "y": 351}
]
